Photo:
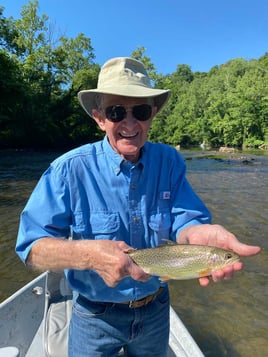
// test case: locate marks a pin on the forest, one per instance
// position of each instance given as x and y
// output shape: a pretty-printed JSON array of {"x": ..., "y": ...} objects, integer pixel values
[{"x": 42, "y": 72}]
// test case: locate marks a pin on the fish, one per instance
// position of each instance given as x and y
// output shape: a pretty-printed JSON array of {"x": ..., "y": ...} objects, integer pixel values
[{"x": 182, "y": 261}]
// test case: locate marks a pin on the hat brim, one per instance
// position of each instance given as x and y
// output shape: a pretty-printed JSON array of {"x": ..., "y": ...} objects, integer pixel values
[{"x": 87, "y": 98}]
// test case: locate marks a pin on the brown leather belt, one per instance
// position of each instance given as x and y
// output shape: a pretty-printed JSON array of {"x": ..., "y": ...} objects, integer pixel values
[
  {"x": 142, "y": 302},
  {"x": 131, "y": 304}
]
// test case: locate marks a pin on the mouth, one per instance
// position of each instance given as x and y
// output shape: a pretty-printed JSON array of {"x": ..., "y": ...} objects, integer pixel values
[{"x": 128, "y": 136}]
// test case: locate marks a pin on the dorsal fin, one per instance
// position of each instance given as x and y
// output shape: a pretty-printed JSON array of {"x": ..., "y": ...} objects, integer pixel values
[{"x": 168, "y": 242}]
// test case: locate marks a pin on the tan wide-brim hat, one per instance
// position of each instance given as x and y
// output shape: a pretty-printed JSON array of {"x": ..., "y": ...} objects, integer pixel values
[{"x": 123, "y": 76}]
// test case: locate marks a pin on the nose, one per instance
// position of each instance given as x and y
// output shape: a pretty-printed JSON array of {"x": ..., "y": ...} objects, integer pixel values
[{"x": 130, "y": 119}]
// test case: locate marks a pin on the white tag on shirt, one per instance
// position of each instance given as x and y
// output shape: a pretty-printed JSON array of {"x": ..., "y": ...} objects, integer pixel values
[{"x": 165, "y": 195}]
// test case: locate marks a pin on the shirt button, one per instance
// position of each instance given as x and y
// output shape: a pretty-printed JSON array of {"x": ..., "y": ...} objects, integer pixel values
[
  {"x": 133, "y": 186},
  {"x": 135, "y": 219}
]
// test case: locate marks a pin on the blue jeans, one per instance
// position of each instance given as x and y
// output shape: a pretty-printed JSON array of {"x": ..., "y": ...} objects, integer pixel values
[{"x": 102, "y": 329}]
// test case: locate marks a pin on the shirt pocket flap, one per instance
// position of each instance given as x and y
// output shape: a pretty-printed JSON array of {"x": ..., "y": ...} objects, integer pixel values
[{"x": 104, "y": 223}]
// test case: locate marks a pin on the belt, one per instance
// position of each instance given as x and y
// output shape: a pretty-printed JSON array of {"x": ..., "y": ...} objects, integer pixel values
[
  {"x": 131, "y": 304},
  {"x": 142, "y": 302}
]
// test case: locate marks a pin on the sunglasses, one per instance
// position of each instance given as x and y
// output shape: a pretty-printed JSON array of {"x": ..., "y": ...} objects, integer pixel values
[{"x": 117, "y": 113}]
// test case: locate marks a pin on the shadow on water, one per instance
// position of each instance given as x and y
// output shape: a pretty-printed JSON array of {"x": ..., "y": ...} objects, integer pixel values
[{"x": 226, "y": 319}]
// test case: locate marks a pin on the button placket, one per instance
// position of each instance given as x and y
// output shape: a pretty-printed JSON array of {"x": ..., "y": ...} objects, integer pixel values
[{"x": 136, "y": 227}]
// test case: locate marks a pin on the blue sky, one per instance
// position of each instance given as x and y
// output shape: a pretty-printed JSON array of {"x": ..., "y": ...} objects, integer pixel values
[{"x": 199, "y": 33}]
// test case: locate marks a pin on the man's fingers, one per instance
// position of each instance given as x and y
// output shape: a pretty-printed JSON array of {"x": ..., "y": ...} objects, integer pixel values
[
  {"x": 137, "y": 273},
  {"x": 204, "y": 281},
  {"x": 245, "y": 250}
]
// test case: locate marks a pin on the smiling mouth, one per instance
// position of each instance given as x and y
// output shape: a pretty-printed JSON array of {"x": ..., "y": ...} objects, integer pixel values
[{"x": 128, "y": 136}]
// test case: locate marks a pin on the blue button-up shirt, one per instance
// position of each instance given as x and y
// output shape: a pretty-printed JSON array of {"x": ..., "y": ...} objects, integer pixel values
[{"x": 93, "y": 193}]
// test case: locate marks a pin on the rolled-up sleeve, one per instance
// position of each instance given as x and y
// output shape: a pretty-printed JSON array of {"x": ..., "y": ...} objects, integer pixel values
[{"x": 46, "y": 214}]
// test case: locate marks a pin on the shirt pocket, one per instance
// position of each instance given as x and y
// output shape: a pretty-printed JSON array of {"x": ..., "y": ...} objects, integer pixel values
[
  {"x": 104, "y": 223},
  {"x": 159, "y": 227},
  {"x": 97, "y": 225}
]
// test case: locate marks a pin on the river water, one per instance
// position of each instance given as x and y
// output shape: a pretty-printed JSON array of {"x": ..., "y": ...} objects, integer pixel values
[{"x": 229, "y": 318}]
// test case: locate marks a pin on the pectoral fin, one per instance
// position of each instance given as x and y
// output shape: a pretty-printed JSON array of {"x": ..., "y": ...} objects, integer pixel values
[
  {"x": 164, "y": 279},
  {"x": 205, "y": 272}
]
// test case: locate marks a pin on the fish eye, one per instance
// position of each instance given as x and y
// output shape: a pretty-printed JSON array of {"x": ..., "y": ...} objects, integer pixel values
[{"x": 228, "y": 256}]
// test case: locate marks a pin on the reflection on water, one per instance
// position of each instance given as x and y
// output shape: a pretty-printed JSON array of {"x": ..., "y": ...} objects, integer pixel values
[
  {"x": 19, "y": 172},
  {"x": 226, "y": 319}
]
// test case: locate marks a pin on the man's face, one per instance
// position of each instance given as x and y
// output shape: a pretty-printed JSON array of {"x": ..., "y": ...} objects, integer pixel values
[{"x": 128, "y": 136}]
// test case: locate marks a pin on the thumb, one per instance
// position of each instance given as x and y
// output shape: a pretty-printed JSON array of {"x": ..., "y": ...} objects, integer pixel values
[{"x": 244, "y": 249}]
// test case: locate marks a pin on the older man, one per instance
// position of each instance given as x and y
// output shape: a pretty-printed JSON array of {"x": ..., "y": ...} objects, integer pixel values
[{"x": 109, "y": 196}]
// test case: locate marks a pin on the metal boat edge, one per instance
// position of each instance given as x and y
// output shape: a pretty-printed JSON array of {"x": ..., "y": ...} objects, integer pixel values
[{"x": 26, "y": 329}]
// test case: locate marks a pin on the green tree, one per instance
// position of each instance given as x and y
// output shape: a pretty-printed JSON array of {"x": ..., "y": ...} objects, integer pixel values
[
  {"x": 50, "y": 70},
  {"x": 13, "y": 94},
  {"x": 8, "y": 33}
]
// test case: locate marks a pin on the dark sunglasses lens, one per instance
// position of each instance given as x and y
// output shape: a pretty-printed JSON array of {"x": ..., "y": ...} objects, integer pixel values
[
  {"x": 142, "y": 112},
  {"x": 115, "y": 113}
]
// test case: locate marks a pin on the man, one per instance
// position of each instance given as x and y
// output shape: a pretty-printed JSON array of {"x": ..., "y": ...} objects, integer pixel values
[{"x": 109, "y": 196}]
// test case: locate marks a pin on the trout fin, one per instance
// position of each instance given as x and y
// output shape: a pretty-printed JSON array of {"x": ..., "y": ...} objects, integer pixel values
[
  {"x": 131, "y": 250},
  {"x": 205, "y": 272},
  {"x": 164, "y": 279},
  {"x": 168, "y": 242}
]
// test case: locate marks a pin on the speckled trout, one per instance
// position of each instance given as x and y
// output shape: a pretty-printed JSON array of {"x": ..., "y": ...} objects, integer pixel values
[{"x": 182, "y": 261}]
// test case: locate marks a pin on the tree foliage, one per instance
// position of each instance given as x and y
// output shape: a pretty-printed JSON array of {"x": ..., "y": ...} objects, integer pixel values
[
  {"x": 226, "y": 106},
  {"x": 41, "y": 74},
  {"x": 41, "y": 77}
]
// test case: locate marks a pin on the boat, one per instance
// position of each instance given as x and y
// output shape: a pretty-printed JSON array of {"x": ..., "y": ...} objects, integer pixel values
[{"x": 34, "y": 322}]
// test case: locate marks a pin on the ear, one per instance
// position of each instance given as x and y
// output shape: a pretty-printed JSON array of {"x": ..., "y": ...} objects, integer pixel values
[{"x": 99, "y": 119}]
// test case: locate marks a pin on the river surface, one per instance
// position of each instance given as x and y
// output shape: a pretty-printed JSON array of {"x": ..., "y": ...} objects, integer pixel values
[{"x": 226, "y": 319}]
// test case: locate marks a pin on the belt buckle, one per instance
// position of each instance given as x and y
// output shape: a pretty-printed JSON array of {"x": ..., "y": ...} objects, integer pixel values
[
  {"x": 136, "y": 304},
  {"x": 130, "y": 305},
  {"x": 139, "y": 303}
]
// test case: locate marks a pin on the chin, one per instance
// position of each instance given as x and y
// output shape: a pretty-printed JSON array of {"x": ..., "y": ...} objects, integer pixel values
[
  {"x": 131, "y": 156},
  {"x": 130, "y": 150}
]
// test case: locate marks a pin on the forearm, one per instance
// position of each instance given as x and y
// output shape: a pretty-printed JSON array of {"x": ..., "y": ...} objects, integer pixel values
[
  {"x": 107, "y": 258},
  {"x": 58, "y": 254}
]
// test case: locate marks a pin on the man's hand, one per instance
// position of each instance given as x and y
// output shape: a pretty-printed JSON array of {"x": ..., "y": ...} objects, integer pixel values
[
  {"x": 218, "y": 236},
  {"x": 112, "y": 263}
]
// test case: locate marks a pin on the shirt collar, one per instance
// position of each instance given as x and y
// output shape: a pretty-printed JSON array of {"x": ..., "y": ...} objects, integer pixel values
[{"x": 117, "y": 160}]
